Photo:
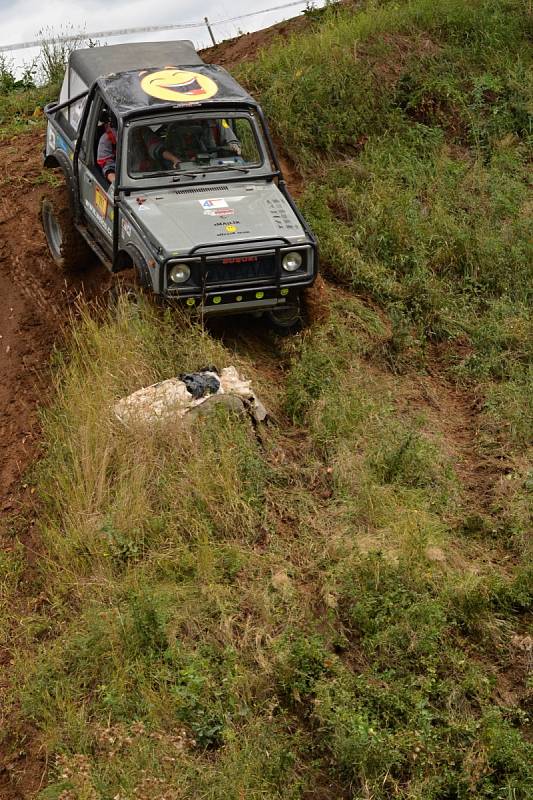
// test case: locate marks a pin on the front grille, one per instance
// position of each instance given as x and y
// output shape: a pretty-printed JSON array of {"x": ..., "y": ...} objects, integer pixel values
[{"x": 217, "y": 272}]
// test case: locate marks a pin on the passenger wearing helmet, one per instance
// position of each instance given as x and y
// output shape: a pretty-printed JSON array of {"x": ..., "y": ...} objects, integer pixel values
[{"x": 107, "y": 148}]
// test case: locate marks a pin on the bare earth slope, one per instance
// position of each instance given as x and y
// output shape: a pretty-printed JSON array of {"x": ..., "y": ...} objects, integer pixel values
[{"x": 34, "y": 303}]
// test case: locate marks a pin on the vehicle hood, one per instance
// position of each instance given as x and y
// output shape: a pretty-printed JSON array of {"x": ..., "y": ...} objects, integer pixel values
[{"x": 179, "y": 220}]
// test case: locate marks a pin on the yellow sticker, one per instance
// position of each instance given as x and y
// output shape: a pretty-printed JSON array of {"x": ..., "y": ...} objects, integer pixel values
[
  {"x": 179, "y": 85},
  {"x": 231, "y": 228},
  {"x": 101, "y": 201},
  {"x": 225, "y": 123}
]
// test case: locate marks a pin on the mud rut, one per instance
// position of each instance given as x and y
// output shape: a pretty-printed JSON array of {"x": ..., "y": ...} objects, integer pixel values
[{"x": 35, "y": 303}]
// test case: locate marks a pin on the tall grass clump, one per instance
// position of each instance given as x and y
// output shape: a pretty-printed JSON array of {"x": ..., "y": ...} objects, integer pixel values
[
  {"x": 55, "y": 50},
  {"x": 146, "y": 531},
  {"x": 365, "y": 71}
]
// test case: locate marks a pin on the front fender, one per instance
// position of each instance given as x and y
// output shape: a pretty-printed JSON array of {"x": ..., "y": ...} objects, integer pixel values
[
  {"x": 59, "y": 160},
  {"x": 138, "y": 260}
]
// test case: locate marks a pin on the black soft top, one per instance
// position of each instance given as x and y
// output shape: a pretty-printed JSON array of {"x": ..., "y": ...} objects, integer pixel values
[
  {"x": 135, "y": 77},
  {"x": 92, "y": 63}
]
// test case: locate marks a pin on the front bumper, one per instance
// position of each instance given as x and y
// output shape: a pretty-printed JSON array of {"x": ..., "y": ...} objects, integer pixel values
[
  {"x": 242, "y": 302},
  {"x": 225, "y": 283}
]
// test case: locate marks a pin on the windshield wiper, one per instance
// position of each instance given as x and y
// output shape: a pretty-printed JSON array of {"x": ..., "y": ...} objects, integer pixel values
[
  {"x": 186, "y": 175},
  {"x": 223, "y": 167}
]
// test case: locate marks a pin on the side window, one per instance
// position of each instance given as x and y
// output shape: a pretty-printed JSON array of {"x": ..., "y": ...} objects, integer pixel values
[
  {"x": 76, "y": 109},
  {"x": 92, "y": 132},
  {"x": 63, "y": 95},
  {"x": 62, "y": 116},
  {"x": 69, "y": 118},
  {"x": 98, "y": 122}
]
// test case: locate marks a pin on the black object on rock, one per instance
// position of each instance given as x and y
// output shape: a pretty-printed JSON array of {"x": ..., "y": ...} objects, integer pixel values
[{"x": 202, "y": 383}]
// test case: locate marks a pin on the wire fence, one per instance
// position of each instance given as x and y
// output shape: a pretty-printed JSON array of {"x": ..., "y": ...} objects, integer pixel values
[{"x": 205, "y": 23}]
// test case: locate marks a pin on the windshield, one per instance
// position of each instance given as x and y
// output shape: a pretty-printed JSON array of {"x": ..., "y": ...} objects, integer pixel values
[{"x": 194, "y": 145}]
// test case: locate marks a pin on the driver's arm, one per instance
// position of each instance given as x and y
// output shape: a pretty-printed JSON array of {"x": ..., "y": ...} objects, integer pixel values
[
  {"x": 156, "y": 148},
  {"x": 174, "y": 160},
  {"x": 228, "y": 138}
]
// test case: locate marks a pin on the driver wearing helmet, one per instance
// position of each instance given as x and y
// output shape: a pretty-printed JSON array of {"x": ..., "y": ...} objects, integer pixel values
[{"x": 191, "y": 138}]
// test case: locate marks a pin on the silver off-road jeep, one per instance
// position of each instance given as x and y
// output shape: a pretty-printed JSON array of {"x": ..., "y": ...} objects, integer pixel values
[{"x": 197, "y": 204}]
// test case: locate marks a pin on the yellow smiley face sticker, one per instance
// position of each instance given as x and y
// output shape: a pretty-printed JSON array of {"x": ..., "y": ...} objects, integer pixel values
[
  {"x": 179, "y": 85},
  {"x": 231, "y": 228}
]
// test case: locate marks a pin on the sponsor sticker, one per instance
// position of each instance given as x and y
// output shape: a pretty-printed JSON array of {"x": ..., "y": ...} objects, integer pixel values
[
  {"x": 210, "y": 204},
  {"x": 126, "y": 228},
  {"x": 97, "y": 217},
  {"x": 220, "y": 212},
  {"x": 62, "y": 145},
  {"x": 101, "y": 201}
]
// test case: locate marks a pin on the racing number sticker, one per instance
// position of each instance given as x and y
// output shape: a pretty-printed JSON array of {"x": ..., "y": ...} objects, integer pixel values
[
  {"x": 178, "y": 85},
  {"x": 101, "y": 201}
]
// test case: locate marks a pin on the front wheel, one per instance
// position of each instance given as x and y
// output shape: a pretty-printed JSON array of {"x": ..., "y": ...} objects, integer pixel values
[
  {"x": 285, "y": 320},
  {"x": 67, "y": 246}
]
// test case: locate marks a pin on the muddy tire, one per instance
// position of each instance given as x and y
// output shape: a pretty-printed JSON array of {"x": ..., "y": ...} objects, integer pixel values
[
  {"x": 67, "y": 246},
  {"x": 285, "y": 320},
  {"x": 129, "y": 285}
]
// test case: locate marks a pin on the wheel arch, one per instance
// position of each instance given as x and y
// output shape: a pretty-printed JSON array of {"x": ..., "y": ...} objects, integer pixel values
[
  {"x": 59, "y": 160},
  {"x": 131, "y": 257}
]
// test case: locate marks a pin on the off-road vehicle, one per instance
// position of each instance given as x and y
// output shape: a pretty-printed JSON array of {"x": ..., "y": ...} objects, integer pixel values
[{"x": 213, "y": 225}]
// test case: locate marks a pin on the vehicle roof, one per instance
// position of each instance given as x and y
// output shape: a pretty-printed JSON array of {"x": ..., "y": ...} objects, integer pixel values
[
  {"x": 92, "y": 63},
  {"x": 131, "y": 92},
  {"x": 135, "y": 77}
]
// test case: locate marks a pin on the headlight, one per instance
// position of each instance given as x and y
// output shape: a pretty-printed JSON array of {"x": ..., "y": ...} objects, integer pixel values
[
  {"x": 179, "y": 273},
  {"x": 292, "y": 261}
]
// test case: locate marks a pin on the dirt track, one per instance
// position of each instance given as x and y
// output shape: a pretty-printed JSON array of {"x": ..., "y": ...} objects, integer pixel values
[{"x": 35, "y": 298}]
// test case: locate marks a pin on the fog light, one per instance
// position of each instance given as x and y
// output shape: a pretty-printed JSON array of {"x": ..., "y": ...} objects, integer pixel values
[
  {"x": 191, "y": 301},
  {"x": 238, "y": 298},
  {"x": 259, "y": 295},
  {"x": 284, "y": 292},
  {"x": 217, "y": 300}
]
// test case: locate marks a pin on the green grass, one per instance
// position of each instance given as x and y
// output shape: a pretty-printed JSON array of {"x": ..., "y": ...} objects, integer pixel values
[
  {"x": 229, "y": 618},
  {"x": 330, "y": 609},
  {"x": 417, "y": 117},
  {"x": 21, "y": 111}
]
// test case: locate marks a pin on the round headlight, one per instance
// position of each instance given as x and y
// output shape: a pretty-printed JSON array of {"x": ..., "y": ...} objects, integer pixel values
[
  {"x": 179, "y": 273},
  {"x": 292, "y": 261}
]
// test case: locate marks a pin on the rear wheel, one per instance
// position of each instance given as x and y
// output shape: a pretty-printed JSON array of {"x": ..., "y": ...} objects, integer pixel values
[{"x": 67, "y": 246}]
